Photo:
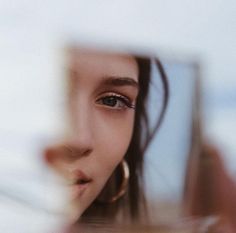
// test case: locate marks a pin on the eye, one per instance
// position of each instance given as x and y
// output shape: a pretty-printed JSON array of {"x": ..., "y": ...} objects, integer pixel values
[{"x": 115, "y": 101}]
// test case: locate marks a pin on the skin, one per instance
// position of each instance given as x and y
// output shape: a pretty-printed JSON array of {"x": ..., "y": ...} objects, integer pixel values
[{"x": 103, "y": 88}]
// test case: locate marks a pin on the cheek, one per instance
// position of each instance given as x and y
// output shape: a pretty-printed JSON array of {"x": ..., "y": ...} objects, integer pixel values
[{"x": 114, "y": 132}]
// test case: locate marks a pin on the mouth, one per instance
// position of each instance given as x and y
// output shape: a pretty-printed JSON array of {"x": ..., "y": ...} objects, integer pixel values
[{"x": 80, "y": 183}]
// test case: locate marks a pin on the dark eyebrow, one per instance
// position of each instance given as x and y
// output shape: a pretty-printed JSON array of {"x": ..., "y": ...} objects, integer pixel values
[{"x": 120, "y": 81}]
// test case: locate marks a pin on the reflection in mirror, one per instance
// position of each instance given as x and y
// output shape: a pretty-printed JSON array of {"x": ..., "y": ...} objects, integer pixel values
[{"x": 129, "y": 137}]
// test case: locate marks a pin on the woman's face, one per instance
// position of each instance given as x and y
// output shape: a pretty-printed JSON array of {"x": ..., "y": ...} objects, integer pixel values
[{"x": 102, "y": 93}]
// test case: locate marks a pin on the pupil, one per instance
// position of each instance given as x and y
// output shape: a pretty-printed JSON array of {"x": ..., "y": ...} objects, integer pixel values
[{"x": 111, "y": 101}]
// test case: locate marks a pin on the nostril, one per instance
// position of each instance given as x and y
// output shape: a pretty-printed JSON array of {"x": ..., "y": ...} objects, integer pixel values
[
  {"x": 87, "y": 152},
  {"x": 76, "y": 152}
]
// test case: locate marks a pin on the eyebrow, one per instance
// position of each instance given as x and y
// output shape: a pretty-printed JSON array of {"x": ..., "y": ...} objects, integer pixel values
[{"x": 120, "y": 81}]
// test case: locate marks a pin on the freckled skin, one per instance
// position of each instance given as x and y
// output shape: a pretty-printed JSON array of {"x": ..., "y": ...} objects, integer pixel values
[{"x": 99, "y": 133}]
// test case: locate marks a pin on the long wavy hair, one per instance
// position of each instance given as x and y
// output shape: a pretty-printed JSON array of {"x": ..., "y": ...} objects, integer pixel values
[{"x": 133, "y": 203}]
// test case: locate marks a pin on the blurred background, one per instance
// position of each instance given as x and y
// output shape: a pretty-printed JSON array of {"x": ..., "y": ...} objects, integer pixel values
[{"x": 32, "y": 37}]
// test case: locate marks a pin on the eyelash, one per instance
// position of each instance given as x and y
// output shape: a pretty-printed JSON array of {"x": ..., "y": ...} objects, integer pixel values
[{"x": 125, "y": 100}]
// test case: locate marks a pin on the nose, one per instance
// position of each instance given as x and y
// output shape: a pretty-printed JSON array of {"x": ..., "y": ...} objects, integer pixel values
[
  {"x": 81, "y": 137},
  {"x": 78, "y": 146}
]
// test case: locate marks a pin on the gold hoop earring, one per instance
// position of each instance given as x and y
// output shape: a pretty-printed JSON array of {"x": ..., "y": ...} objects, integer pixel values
[{"x": 123, "y": 186}]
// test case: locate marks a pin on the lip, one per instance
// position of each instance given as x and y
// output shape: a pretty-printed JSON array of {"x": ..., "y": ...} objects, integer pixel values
[{"x": 80, "y": 184}]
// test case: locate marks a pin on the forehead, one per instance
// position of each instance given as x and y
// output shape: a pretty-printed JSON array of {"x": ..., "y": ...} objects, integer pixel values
[{"x": 85, "y": 61}]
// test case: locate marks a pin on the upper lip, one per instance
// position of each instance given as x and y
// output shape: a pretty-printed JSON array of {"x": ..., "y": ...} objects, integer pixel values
[{"x": 80, "y": 178}]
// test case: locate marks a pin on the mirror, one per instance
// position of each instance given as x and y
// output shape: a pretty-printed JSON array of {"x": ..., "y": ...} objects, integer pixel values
[{"x": 166, "y": 112}]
